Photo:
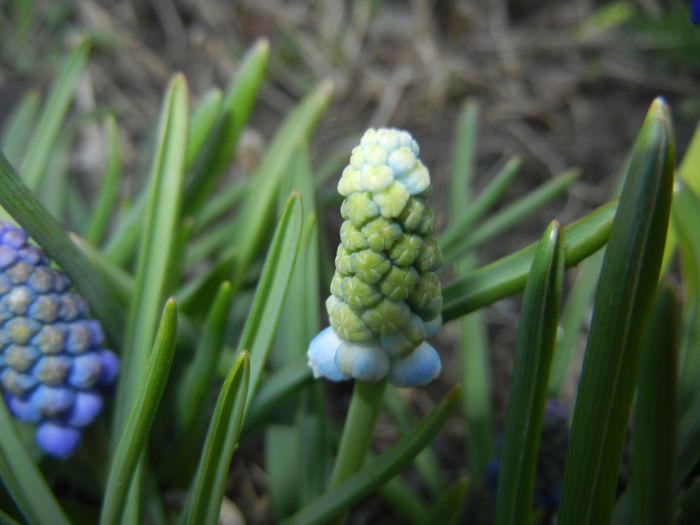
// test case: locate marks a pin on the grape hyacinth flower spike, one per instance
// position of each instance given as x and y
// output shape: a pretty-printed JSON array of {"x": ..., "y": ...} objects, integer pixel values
[
  {"x": 54, "y": 368},
  {"x": 385, "y": 296}
]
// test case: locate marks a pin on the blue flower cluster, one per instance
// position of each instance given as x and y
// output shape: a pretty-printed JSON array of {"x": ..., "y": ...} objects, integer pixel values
[
  {"x": 53, "y": 364},
  {"x": 386, "y": 298}
]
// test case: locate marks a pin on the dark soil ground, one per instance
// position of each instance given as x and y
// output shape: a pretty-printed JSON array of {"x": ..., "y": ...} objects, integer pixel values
[{"x": 557, "y": 83}]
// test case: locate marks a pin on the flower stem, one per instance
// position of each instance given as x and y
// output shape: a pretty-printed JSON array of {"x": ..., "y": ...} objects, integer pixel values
[{"x": 357, "y": 433}]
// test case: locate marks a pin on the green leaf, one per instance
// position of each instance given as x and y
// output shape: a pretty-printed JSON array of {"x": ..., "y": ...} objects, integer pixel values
[
  {"x": 160, "y": 230},
  {"x": 463, "y": 151},
  {"x": 689, "y": 506},
  {"x": 515, "y": 212},
  {"x": 202, "y": 122},
  {"x": 199, "y": 376},
  {"x": 22, "y": 479},
  {"x": 221, "y": 144},
  {"x": 627, "y": 283},
  {"x": 572, "y": 319},
  {"x": 276, "y": 388},
  {"x": 20, "y": 123},
  {"x": 379, "y": 471},
  {"x": 686, "y": 214},
  {"x": 450, "y": 506},
  {"x": 508, "y": 275},
  {"x": 16, "y": 198},
  {"x": 404, "y": 500},
  {"x": 426, "y": 462},
  {"x": 221, "y": 203},
  {"x": 537, "y": 330},
  {"x": 133, "y": 437},
  {"x": 466, "y": 216},
  {"x": 284, "y": 466},
  {"x": 653, "y": 451},
  {"x": 258, "y": 208},
  {"x": 207, "y": 488},
  {"x": 110, "y": 185},
  {"x": 53, "y": 113},
  {"x": 259, "y": 329}
]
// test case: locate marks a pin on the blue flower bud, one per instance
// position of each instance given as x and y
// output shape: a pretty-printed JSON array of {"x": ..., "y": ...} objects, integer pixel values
[
  {"x": 385, "y": 297},
  {"x": 54, "y": 368}
]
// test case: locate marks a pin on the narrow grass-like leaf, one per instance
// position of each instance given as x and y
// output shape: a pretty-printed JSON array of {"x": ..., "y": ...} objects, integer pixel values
[
  {"x": 463, "y": 151},
  {"x": 22, "y": 479},
  {"x": 199, "y": 376},
  {"x": 274, "y": 390},
  {"x": 406, "y": 502},
  {"x": 507, "y": 276},
  {"x": 468, "y": 215},
  {"x": 627, "y": 283},
  {"x": 15, "y": 134},
  {"x": 689, "y": 506},
  {"x": 258, "y": 208},
  {"x": 157, "y": 243},
  {"x": 686, "y": 214},
  {"x": 379, "y": 471},
  {"x": 537, "y": 331},
  {"x": 202, "y": 123},
  {"x": 515, "y": 212},
  {"x": 134, "y": 435},
  {"x": 53, "y": 113},
  {"x": 426, "y": 463},
  {"x": 195, "y": 295},
  {"x": 221, "y": 203},
  {"x": 235, "y": 110},
  {"x": 259, "y": 329},
  {"x": 577, "y": 304},
  {"x": 6, "y": 519},
  {"x": 207, "y": 488},
  {"x": 109, "y": 190},
  {"x": 653, "y": 449},
  {"x": 284, "y": 467},
  {"x": 19, "y": 201},
  {"x": 450, "y": 506}
]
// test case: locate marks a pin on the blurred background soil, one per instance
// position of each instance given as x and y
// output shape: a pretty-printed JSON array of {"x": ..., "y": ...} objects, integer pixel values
[{"x": 561, "y": 83}]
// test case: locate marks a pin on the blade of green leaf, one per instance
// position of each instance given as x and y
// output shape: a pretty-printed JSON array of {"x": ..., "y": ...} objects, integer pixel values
[
  {"x": 689, "y": 506},
  {"x": 19, "y": 201},
  {"x": 627, "y": 282},
  {"x": 157, "y": 244},
  {"x": 258, "y": 208},
  {"x": 507, "y": 276},
  {"x": 109, "y": 190},
  {"x": 463, "y": 151},
  {"x": 259, "y": 330},
  {"x": 577, "y": 304},
  {"x": 466, "y": 216},
  {"x": 207, "y": 489},
  {"x": 379, "y": 471},
  {"x": 653, "y": 452},
  {"x": 450, "y": 506},
  {"x": 685, "y": 213},
  {"x": 276, "y": 387},
  {"x": 52, "y": 115},
  {"x": 284, "y": 466},
  {"x": 202, "y": 123},
  {"x": 23, "y": 480},
  {"x": 6, "y": 519},
  {"x": 199, "y": 376},
  {"x": 15, "y": 134},
  {"x": 221, "y": 144},
  {"x": 426, "y": 462},
  {"x": 514, "y": 213},
  {"x": 537, "y": 332},
  {"x": 405, "y": 501},
  {"x": 134, "y": 435},
  {"x": 221, "y": 203}
]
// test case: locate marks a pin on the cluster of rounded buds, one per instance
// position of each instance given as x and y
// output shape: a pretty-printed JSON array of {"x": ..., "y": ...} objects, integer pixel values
[
  {"x": 385, "y": 296},
  {"x": 53, "y": 366}
]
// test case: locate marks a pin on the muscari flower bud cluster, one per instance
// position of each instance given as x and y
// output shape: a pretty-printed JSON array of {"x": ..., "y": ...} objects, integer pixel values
[
  {"x": 385, "y": 296},
  {"x": 53, "y": 364}
]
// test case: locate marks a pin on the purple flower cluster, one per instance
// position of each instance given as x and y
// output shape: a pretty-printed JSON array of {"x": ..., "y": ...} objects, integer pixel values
[{"x": 53, "y": 364}]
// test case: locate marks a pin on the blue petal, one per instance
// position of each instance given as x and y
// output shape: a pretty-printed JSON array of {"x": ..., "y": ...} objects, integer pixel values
[
  {"x": 363, "y": 361},
  {"x": 321, "y": 355},
  {"x": 57, "y": 440},
  {"x": 695, "y": 11},
  {"x": 418, "y": 369},
  {"x": 85, "y": 409}
]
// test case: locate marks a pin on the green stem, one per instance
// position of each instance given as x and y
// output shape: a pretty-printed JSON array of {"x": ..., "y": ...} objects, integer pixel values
[{"x": 357, "y": 433}]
